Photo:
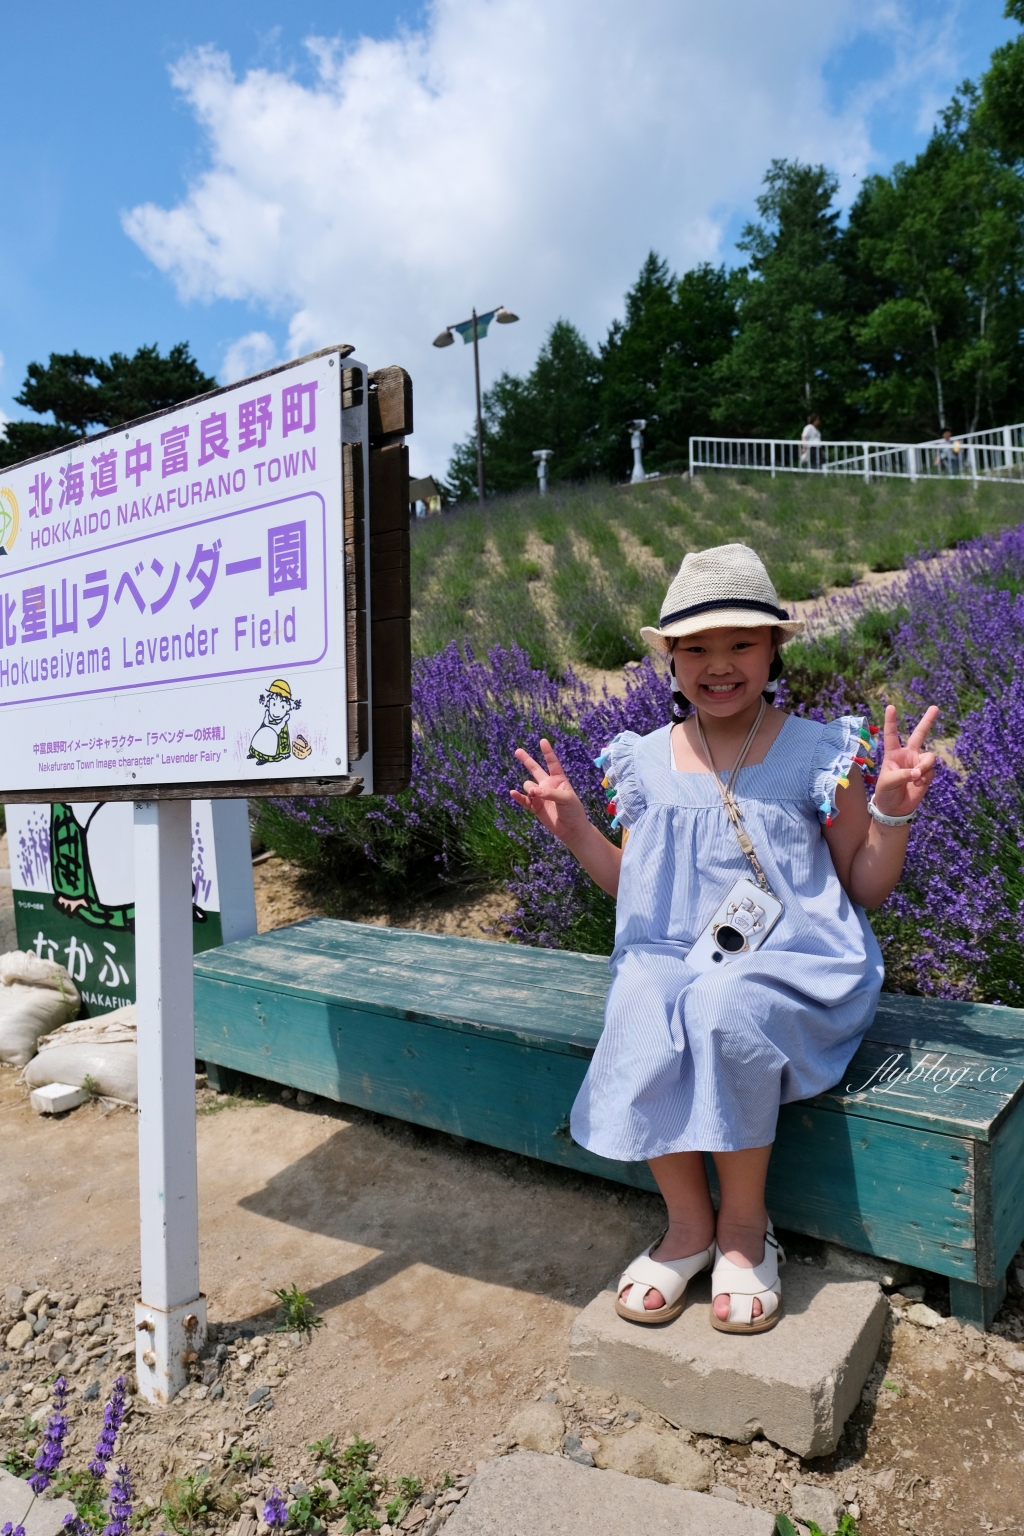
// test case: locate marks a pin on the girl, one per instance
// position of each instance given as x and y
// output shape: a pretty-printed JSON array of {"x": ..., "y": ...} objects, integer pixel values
[{"x": 699, "y": 1060}]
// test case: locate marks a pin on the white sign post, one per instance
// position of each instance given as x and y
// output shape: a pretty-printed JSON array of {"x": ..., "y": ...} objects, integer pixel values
[
  {"x": 180, "y": 619},
  {"x": 170, "y": 1317}
]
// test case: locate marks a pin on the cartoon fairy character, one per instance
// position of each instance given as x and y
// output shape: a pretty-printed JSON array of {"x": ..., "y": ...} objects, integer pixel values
[
  {"x": 90, "y": 881},
  {"x": 91, "y": 878},
  {"x": 272, "y": 742}
]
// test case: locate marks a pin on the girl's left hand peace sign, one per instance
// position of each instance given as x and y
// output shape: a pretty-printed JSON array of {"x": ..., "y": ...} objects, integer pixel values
[{"x": 906, "y": 772}]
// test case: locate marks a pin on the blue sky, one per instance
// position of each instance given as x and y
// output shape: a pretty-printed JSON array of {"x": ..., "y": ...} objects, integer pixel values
[
  {"x": 460, "y": 109},
  {"x": 91, "y": 126}
]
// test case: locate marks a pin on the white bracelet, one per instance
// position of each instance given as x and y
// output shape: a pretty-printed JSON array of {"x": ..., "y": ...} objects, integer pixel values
[{"x": 888, "y": 821}]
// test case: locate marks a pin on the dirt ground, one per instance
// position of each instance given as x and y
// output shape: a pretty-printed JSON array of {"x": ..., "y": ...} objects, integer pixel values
[
  {"x": 447, "y": 1275},
  {"x": 283, "y": 896}
]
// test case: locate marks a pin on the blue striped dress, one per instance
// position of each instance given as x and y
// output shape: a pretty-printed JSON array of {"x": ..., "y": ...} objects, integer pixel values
[{"x": 690, "y": 1062}]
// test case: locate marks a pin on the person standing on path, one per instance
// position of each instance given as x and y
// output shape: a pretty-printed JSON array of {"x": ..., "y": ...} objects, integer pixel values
[
  {"x": 950, "y": 454},
  {"x": 810, "y": 444},
  {"x": 697, "y": 1057}
]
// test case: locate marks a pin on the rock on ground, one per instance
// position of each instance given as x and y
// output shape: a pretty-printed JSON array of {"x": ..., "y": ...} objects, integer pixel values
[
  {"x": 89, "y": 1307},
  {"x": 19, "y": 1505},
  {"x": 531, "y": 1495},
  {"x": 923, "y": 1316},
  {"x": 810, "y": 1502},
  {"x": 644, "y": 1452},
  {"x": 538, "y": 1427},
  {"x": 19, "y": 1335}
]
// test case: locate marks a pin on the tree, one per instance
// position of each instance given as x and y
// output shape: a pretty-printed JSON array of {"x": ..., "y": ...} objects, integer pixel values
[
  {"x": 657, "y": 364},
  {"x": 554, "y": 407},
  {"x": 791, "y": 355},
  {"x": 938, "y": 250},
  {"x": 1001, "y": 110},
  {"x": 86, "y": 393}
]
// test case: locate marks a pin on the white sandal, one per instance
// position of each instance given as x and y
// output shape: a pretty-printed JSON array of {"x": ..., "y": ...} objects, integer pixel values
[
  {"x": 669, "y": 1276},
  {"x": 743, "y": 1285}
]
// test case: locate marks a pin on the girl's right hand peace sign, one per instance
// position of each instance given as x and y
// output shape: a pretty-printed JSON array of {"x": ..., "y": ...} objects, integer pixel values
[{"x": 549, "y": 795}]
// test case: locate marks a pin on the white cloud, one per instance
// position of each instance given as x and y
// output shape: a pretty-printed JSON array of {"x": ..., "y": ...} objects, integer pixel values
[
  {"x": 248, "y": 355},
  {"x": 521, "y": 152}
]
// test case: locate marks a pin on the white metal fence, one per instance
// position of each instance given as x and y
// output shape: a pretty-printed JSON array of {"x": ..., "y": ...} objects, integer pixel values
[{"x": 997, "y": 454}]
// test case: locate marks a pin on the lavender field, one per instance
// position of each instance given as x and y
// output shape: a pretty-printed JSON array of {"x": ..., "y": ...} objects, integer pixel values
[{"x": 955, "y": 925}]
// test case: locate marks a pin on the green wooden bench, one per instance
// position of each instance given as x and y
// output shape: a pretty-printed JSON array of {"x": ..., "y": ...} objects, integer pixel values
[{"x": 917, "y": 1155}]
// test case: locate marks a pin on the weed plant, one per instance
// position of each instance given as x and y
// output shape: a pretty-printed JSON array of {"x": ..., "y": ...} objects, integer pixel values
[
  {"x": 187, "y": 1502},
  {"x": 296, "y": 1312},
  {"x": 359, "y": 1488},
  {"x": 784, "y": 1527}
]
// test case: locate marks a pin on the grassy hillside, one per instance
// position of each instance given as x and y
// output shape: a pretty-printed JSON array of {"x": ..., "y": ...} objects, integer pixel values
[{"x": 571, "y": 578}]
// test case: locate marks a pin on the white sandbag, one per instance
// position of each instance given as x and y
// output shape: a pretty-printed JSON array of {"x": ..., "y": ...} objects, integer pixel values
[
  {"x": 104, "y": 1029},
  {"x": 113, "y": 1069},
  {"x": 26, "y": 966},
  {"x": 37, "y": 996},
  {"x": 102, "y": 1049}
]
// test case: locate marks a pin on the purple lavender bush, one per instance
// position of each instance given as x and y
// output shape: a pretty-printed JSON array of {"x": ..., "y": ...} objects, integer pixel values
[
  {"x": 456, "y": 819},
  {"x": 51, "y": 1452},
  {"x": 113, "y": 1418},
  {"x": 952, "y": 634}
]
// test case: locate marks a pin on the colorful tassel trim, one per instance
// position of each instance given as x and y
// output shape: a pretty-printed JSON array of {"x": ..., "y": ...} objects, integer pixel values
[
  {"x": 602, "y": 761},
  {"x": 864, "y": 760}
]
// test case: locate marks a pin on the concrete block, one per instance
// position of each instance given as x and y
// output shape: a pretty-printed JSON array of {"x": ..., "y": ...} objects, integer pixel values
[
  {"x": 40, "y": 1516},
  {"x": 796, "y": 1384},
  {"x": 531, "y": 1495},
  {"x": 55, "y": 1098},
  {"x": 865, "y": 1266}
]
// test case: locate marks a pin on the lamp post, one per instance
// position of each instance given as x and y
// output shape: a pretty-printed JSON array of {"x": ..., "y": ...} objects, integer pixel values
[
  {"x": 541, "y": 456},
  {"x": 636, "y": 442},
  {"x": 474, "y": 330}
]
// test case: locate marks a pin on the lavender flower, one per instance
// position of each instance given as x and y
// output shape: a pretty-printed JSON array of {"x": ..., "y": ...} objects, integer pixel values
[
  {"x": 113, "y": 1417},
  {"x": 51, "y": 1452},
  {"x": 120, "y": 1503},
  {"x": 275, "y": 1510},
  {"x": 15, "y": 1530},
  {"x": 954, "y": 927},
  {"x": 74, "y": 1525}
]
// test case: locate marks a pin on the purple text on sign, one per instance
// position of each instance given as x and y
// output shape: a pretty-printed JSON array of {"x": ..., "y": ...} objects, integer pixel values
[{"x": 286, "y": 558}]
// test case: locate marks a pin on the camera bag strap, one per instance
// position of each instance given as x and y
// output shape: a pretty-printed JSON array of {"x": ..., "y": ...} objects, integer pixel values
[{"x": 729, "y": 800}]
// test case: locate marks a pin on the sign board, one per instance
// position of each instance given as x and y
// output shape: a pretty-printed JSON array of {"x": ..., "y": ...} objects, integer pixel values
[
  {"x": 73, "y": 878},
  {"x": 192, "y": 608},
  {"x": 173, "y": 597}
]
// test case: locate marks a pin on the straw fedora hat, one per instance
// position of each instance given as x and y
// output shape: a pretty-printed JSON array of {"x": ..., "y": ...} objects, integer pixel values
[{"x": 722, "y": 588}]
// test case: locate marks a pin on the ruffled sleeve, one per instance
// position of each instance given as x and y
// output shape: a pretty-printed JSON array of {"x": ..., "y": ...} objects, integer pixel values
[
  {"x": 621, "y": 782},
  {"x": 842, "y": 743}
]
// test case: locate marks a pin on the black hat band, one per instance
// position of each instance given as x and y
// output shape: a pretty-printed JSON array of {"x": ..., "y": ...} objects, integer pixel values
[{"x": 717, "y": 604}]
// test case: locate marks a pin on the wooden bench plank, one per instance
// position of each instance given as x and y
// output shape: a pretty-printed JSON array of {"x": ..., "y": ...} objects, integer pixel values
[
  {"x": 880, "y": 1084},
  {"x": 459, "y": 956},
  {"x": 557, "y": 1000},
  {"x": 917, "y": 1155},
  {"x": 489, "y": 1089},
  {"x": 876, "y": 1187}
]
